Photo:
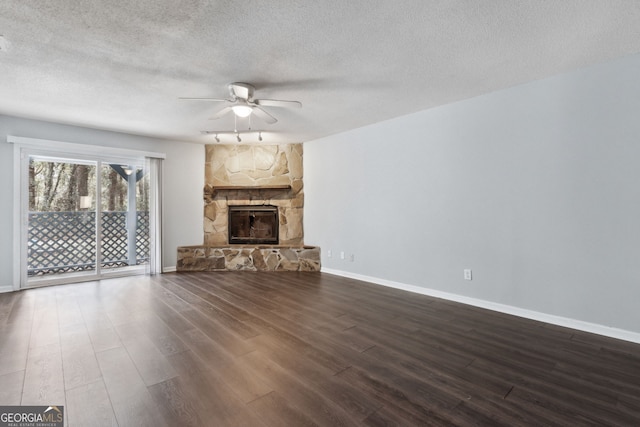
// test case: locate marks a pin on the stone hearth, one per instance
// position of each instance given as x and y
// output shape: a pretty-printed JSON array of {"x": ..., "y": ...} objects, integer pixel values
[{"x": 248, "y": 258}]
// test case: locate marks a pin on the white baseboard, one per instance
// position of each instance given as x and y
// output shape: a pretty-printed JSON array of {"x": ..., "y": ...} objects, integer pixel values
[
  {"x": 171, "y": 269},
  {"x": 6, "y": 288},
  {"x": 580, "y": 325}
]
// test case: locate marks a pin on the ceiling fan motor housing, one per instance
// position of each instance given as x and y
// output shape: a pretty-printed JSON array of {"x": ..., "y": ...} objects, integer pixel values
[{"x": 241, "y": 90}]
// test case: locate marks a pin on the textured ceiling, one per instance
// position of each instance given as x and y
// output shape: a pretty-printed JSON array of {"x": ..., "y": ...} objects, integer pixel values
[{"x": 121, "y": 65}]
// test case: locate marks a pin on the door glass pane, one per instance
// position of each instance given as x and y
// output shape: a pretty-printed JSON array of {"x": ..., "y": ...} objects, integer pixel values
[
  {"x": 125, "y": 217},
  {"x": 61, "y": 222}
]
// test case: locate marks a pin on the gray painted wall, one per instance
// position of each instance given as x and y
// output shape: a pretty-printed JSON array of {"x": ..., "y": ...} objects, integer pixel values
[
  {"x": 536, "y": 188},
  {"x": 183, "y": 182}
]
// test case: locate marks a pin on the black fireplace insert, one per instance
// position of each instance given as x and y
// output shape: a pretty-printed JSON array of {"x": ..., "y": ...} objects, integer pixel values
[{"x": 253, "y": 224}]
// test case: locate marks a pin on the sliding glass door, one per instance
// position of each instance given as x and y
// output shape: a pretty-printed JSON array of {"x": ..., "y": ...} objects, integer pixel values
[{"x": 85, "y": 219}]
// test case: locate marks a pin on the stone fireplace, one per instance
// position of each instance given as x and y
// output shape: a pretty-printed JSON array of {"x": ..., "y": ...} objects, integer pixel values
[
  {"x": 254, "y": 175},
  {"x": 253, "y": 213}
]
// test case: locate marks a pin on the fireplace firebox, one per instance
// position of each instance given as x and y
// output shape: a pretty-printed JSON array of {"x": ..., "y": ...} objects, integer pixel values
[{"x": 253, "y": 224}]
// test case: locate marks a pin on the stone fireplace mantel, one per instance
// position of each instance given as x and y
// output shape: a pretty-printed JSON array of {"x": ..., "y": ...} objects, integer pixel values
[{"x": 247, "y": 188}]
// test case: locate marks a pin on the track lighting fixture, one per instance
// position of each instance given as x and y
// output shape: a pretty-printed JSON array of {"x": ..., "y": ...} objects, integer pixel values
[{"x": 247, "y": 136}]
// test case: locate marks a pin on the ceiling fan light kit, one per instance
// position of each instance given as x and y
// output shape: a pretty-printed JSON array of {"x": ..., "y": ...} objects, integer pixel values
[
  {"x": 242, "y": 110},
  {"x": 243, "y": 104}
]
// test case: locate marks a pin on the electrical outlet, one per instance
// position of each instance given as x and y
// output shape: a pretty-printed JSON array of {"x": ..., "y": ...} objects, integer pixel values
[
  {"x": 341, "y": 254},
  {"x": 467, "y": 274},
  {"x": 329, "y": 254}
]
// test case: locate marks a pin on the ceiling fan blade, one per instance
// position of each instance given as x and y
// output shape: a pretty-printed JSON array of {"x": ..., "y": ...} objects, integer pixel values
[
  {"x": 277, "y": 103},
  {"x": 221, "y": 113},
  {"x": 261, "y": 114},
  {"x": 205, "y": 99}
]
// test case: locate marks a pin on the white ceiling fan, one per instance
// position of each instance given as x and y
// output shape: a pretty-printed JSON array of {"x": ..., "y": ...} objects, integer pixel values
[{"x": 243, "y": 104}]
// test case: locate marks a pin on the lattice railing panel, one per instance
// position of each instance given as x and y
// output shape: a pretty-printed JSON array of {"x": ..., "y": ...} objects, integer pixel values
[
  {"x": 114, "y": 246},
  {"x": 143, "y": 238},
  {"x": 61, "y": 242},
  {"x": 61, "y": 239}
]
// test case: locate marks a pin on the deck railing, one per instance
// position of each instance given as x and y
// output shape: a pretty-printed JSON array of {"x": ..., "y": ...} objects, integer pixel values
[{"x": 63, "y": 242}]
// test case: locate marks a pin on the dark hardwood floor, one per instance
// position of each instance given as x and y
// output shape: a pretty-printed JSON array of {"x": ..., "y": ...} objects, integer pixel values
[{"x": 297, "y": 349}]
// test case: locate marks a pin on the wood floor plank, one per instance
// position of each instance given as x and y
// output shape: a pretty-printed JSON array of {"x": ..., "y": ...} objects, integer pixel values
[
  {"x": 44, "y": 379},
  {"x": 89, "y": 405},
  {"x": 225, "y": 314},
  {"x": 130, "y": 399},
  {"x": 120, "y": 375},
  {"x": 80, "y": 366},
  {"x": 95, "y": 319},
  {"x": 11, "y": 389},
  {"x": 175, "y": 403},
  {"x": 573, "y": 402},
  {"x": 14, "y": 348},
  {"x": 173, "y": 319},
  {"x": 244, "y": 380},
  {"x": 22, "y": 310},
  {"x": 460, "y": 381},
  {"x": 274, "y": 410},
  {"x": 333, "y": 363},
  {"x": 74, "y": 335},
  {"x": 216, "y": 403},
  {"x": 394, "y": 416},
  {"x": 186, "y": 364},
  {"x": 630, "y": 406},
  {"x": 207, "y": 349},
  {"x": 45, "y": 328},
  {"x": 6, "y": 303},
  {"x": 354, "y": 401},
  {"x": 553, "y": 411},
  {"x": 150, "y": 362},
  {"x": 68, "y": 311},
  {"x": 231, "y": 342},
  {"x": 199, "y": 288},
  {"x": 169, "y": 343},
  {"x": 438, "y": 354},
  {"x": 209, "y": 398},
  {"x": 104, "y": 339},
  {"x": 235, "y": 325},
  {"x": 303, "y": 395}
]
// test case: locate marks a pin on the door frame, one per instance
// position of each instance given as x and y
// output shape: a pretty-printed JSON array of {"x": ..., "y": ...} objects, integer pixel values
[{"x": 26, "y": 147}]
